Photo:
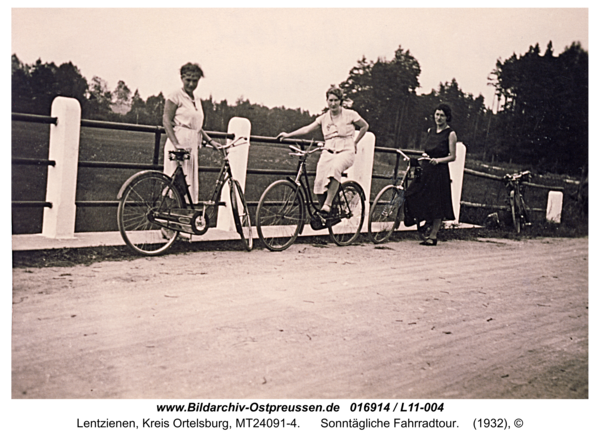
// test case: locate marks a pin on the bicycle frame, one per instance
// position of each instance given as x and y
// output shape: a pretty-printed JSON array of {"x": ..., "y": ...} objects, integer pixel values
[
  {"x": 301, "y": 179},
  {"x": 208, "y": 207},
  {"x": 400, "y": 182}
]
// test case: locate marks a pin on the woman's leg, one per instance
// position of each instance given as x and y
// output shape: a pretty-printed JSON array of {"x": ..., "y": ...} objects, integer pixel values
[
  {"x": 432, "y": 238},
  {"x": 435, "y": 228},
  {"x": 332, "y": 189},
  {"x": 321, "y": 199}
]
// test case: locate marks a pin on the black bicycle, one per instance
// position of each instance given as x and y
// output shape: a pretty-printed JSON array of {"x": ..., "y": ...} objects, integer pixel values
[
  {"x": 286, "y": 205},
  {"x": 515, "y": 190},
  {"x": 155, "y": 208},
  {"x": 387, "y": 209}
]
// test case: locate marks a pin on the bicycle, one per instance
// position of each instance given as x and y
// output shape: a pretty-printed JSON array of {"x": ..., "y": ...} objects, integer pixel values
[
  {"x": 282, "y": 208},
  {"x": 518, "y": 207},
  {"x": 155, "y": 208},
  {"x": 387, "y": 210}
]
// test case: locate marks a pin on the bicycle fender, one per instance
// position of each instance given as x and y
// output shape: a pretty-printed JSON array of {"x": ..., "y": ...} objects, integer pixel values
[
  {"x": 357, "y": 184},
  {"x": 135, "y": 176},
  {"x": 291, "y": 180}
]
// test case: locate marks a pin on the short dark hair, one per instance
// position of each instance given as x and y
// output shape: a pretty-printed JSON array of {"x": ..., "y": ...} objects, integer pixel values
[
  {"x": 336, "y": 91},
  {"x": 446, "y": 109},
  {"x": 191, "y": 68}
]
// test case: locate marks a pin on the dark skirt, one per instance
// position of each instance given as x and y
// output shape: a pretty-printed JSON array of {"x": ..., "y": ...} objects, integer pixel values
[{"x": 429, "y": 197}]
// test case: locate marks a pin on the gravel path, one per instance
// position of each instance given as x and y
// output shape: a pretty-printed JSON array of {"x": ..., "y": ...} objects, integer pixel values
[{"x": 487, "y": 318}]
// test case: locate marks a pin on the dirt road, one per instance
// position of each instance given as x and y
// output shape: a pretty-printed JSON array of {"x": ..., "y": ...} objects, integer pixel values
[{"x": 465, "y": 319}]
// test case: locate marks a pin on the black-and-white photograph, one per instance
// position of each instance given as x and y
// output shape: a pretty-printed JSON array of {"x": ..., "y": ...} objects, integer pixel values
[{"x": 379, "y": 208}]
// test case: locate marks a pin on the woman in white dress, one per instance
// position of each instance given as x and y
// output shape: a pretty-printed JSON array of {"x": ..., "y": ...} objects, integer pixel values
[
  {"x": 183, "y": 119},
  {"x": 338, "y": 125}
]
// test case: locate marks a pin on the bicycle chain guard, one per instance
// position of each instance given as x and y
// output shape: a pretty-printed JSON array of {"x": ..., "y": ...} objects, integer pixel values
[
  {"x": 317, "y": 222},
  {"x": 181, "y": 220}
]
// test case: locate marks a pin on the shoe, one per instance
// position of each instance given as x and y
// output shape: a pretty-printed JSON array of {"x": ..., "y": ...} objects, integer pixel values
[
  {"x": 429, "y": 242},
  {"x": 325, "y": 211}
]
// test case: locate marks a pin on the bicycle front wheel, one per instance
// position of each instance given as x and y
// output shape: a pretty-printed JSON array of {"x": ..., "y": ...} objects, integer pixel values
[
  {"x": 347, "y": 214},
  {"x": 241, "y": 216},
  {"x": 385, "y": 213},
  {"x": 515, "y": 211},
  {"x": 141, "y": 200},
  {"x": 280, "y": 215}
]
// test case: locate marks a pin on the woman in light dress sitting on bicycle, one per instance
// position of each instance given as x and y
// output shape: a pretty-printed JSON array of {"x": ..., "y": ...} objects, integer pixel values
[
  {"x": 183, "y": 119},
  {"x": 338, "y": 125}
]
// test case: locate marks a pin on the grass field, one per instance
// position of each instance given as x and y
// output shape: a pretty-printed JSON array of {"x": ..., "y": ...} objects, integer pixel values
[{"x": 30, "y": 140}]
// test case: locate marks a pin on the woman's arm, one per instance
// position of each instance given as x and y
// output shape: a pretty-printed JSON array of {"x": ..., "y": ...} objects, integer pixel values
[
  {"x": 168, "y": 117},
  {"x": 209, "y": 141},
  {"x": 300, "y": 131},
  {"x": 363, "y": 127},
  {"x": 452, "y": 154}
]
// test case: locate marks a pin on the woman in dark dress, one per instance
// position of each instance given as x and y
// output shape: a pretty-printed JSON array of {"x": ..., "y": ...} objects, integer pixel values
[{"x": 430, "y": 197}]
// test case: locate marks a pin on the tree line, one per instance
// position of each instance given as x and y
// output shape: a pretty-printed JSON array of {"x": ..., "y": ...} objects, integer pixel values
[
  {"x": 540, "y": 118},
  {"x": 35, "y": 86}
]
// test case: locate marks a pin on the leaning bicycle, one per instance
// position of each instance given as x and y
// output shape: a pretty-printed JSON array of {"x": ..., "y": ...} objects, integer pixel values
[
  {"x": 518, "y": 207},
  {"x": 387, "y": 210},
  {"x": 287, "y": 205},
  {"x": 154, "y": 208}
]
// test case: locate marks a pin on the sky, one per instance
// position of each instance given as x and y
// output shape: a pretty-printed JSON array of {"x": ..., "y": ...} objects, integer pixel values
[{"x": 286, "y": 57}]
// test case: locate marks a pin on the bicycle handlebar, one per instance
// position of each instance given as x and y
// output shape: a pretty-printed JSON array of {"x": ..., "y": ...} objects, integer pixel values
[
  {"x": 524, "y": 175},
  {"x": 298, "y": 152},
  {"x": 231, "y": 144},
  {"x": 404, "y": 156}
]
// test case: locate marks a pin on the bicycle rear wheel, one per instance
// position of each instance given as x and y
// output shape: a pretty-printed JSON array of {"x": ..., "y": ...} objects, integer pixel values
[
  {"x": 241, "y": 216},
  {"x": 524, "y": 211},
  {"x": 385, "y": 214},
  {"x": 347, "y": 214},
  {"x": 280, "y": 215},
  {"x": 142, "y": 199}
]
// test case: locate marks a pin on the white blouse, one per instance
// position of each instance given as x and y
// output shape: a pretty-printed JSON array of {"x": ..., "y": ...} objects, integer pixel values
[
  {"x": 189, "y": 118},
  {"x": 339, "y": 135}
]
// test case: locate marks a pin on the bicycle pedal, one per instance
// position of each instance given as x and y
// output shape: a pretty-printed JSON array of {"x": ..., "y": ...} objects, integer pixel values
[{"x": 317, "y": 223}]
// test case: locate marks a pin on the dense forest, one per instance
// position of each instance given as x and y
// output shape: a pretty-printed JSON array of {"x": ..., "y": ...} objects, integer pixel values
[{"x": 538, "y": 119}]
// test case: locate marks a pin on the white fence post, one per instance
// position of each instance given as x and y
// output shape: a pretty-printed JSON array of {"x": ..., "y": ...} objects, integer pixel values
[
  {"x": 238, "y": 159},
  {"x": 554, "y": 207},
  {"x": 362, "y": 169},
  {"x": 59, "y": 221},
  {"x": 457, "y": 172}
]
